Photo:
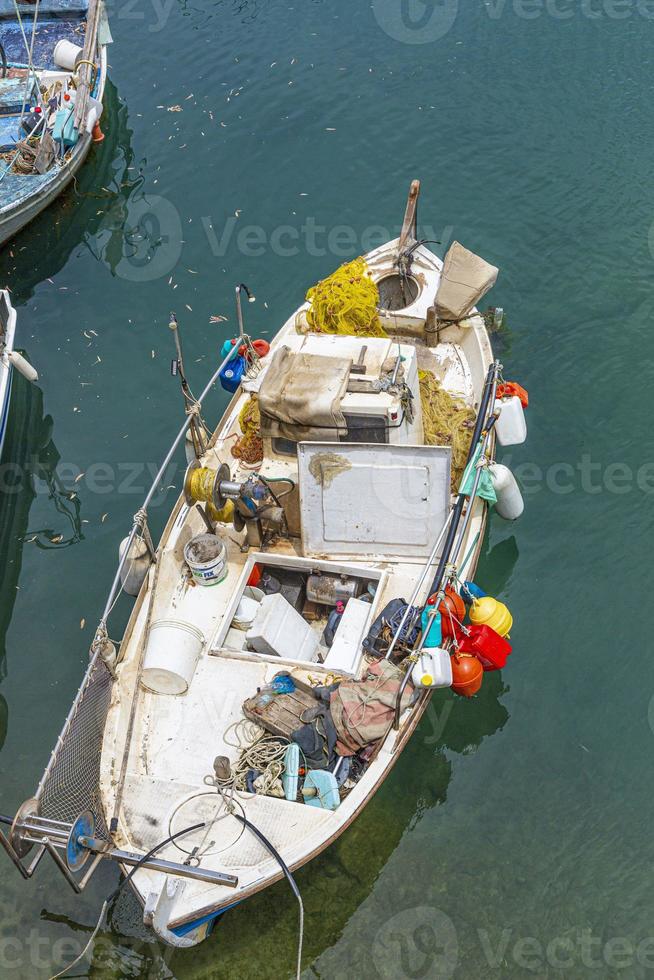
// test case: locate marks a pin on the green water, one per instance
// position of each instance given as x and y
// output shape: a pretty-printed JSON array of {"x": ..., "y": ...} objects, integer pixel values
[{"x": 512, "y": 839}]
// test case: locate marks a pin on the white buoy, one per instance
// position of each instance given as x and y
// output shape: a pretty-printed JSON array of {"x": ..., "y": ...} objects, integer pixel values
[
  {"x": 189, "y": 448},
  {"x": 510, "y": 504},
  {"x": 511, "y": 426},
  {"x": 22, "y": 366},
  {"x": 135, "y": 569}
]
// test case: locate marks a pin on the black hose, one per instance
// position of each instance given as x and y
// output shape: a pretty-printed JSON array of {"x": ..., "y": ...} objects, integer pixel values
[
  {"x": 151, "y": 853},
  {"x": 289, "y": 877}
]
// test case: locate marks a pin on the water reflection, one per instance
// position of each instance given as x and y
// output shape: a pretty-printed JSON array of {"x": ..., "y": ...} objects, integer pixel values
[{"x": 29, "y": 455}]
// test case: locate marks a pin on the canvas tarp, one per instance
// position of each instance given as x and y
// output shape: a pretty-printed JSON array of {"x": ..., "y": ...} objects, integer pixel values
[
  {"x": 464, "y": 280},
  {"x": 300, "y": 396}
]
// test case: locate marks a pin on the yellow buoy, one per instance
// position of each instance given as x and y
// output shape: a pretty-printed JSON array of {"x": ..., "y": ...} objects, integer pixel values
[{"x": 491, "y": 612}]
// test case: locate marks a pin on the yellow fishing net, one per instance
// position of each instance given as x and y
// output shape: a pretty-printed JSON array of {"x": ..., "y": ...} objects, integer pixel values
[
  {"x": 346, "y": 303},
  {"x": 447, "y": 421},
  {"x": 249, "y": 447}
]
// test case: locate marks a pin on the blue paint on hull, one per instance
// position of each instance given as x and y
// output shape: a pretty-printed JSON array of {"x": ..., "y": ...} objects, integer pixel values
[{"x": 5, "y": 411}]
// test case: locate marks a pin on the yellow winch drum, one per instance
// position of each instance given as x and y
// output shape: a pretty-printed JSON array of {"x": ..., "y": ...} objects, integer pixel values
[{"x": 203, "y": 485}]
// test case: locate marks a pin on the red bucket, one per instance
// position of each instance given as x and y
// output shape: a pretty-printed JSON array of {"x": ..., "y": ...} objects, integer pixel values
[{"x": 486, "y": 645}]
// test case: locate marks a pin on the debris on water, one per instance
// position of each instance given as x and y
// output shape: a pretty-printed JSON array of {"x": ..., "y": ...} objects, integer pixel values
[
  {"x": 175, "y": 108},
  {"x": 103, "y": 518},
  {"x": 82, "y": 624}
]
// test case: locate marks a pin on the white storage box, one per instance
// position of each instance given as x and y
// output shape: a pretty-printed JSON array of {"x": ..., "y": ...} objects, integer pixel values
[
  {"x": 278, "y": 630},
  {"x": 345, "y": 651}
]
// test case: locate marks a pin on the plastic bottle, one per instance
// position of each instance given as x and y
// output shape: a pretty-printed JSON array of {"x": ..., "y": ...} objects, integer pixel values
[
  {"x": 511, "y": 426},
  {"x": 332, "y": 623}
]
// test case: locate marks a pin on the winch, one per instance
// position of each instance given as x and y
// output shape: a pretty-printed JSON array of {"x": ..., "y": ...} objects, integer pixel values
[{"x": 254, "y": 505}]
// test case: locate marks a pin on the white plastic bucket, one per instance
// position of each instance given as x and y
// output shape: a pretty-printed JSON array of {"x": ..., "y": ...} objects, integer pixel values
[
  {"x": 171, "y": 656},
  {"x": 206, "y": 556},
  {"x": 66, "y": 54}
]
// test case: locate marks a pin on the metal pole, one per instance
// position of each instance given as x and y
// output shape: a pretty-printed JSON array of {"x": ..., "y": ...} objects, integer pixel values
[{"x": 239, "y": 311}]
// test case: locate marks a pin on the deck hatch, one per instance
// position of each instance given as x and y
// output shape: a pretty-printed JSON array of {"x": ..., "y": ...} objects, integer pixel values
[{"x": 361, "y": 499}]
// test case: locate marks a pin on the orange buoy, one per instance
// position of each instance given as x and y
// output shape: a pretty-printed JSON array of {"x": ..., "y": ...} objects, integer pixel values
[
  {"x": 97, "y": 135},
  {"x": 467, "y": 674},
  {"x": 452, "y": 609}
]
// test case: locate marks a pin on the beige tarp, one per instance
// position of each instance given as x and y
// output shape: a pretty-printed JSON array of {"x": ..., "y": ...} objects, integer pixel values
[
  {"x": 464, "y": 280},
  {"x": 300, "y": 396}
]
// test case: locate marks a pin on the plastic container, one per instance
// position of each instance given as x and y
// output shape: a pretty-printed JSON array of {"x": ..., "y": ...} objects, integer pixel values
[
  {"x": 232, "y": 373},
  {"x": 245, "y": 614},
  {"x": 491, "y": 612},
  {"x": 509, "y": 504},
  {"x": 206, "y": 556},
  {"x": 66, "y": 55},
  {"x": 278, "y": 630},
  {"x": 433, "y": 669},
  {"x": 486, "y": 645},
  {"x": 64, "y": 127},
  {"x": 511, "y": 426},
  {"x": 435, "y": 636},
  {"x": 171, "y": 656},
  {"x": 470, "y": 592}
]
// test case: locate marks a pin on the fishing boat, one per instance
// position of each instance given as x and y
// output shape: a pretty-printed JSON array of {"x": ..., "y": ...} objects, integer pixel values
[
  {"x": 53, "y": 68},
  {"x": 9, "y": 359},
  {"x": 308, "y": 595}
]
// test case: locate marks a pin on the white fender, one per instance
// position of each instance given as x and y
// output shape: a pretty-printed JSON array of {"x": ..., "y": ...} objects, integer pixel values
[
  {"x": 22, "y": 366},
  {"x": 510, "y": 504},
  {"x": 511, "y": 426},
  {"x": 135, "y": 569}
]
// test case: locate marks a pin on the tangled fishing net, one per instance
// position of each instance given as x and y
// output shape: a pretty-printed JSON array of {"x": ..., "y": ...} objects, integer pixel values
[
  {"x": 447, "y": 421},
  {"x": 249, "y": 446},
  {"x": 346, "y": 303}
]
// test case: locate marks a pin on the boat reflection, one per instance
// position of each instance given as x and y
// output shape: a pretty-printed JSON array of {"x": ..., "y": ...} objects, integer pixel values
[
  {"x": 30, "y": 457},
  {"x": 87, "y": 208}
]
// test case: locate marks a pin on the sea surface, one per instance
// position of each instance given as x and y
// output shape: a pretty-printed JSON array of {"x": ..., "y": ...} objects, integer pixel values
[{"x": 265, "y": 143}]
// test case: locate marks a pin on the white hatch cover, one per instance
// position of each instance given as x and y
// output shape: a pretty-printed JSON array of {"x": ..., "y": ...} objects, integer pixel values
[{"x": 360, "y": 499}]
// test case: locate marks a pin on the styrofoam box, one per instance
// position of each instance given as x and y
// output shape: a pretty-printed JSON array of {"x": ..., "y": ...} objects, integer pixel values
[{"x": 278, "y": 630}]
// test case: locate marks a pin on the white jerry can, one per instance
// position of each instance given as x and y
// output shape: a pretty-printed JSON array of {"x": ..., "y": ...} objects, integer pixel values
[
  {"x": 511, "y": 426},
  {"x": 433, "y": 669},
  {"x": 510, "y": 504}
]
